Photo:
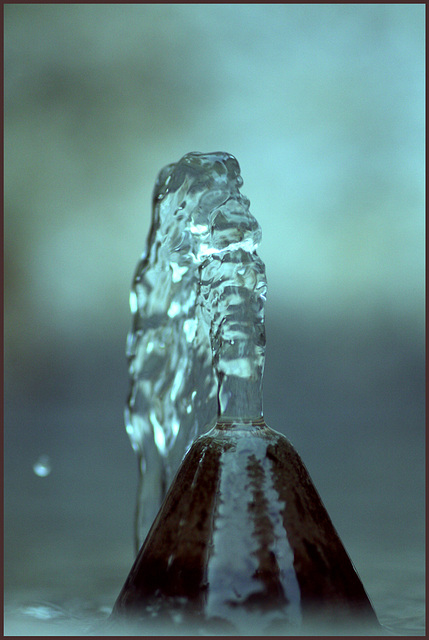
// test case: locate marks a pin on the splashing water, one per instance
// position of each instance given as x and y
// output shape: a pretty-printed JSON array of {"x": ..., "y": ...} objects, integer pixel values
[
  {"x": 199, "y": 219},
  {"x": 181, "y": 305},
  {"x": 242, "y": 541},
  {"x": 233, "y": 292}
]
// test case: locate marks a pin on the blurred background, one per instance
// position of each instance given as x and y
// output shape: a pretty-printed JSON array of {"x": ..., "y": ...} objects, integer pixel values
[{"x": 323, "y": 106}]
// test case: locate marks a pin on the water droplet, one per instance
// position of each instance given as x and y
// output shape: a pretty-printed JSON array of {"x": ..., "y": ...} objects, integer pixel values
[{"x": 42, "y": 466}]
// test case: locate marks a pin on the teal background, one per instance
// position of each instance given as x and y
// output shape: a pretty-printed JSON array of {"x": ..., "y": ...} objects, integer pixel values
[{"x": 323, "y": 106}]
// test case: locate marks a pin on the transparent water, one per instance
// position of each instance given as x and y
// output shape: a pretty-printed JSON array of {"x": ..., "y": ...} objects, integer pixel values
[
  {"x": 200, "y": 262},
  {"x": 212, "y": 230},
  {"x": 65, "y": 597}
]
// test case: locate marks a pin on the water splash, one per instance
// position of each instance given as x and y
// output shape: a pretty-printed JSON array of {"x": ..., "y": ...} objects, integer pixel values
[
  {"x": 233, "y": 293},
  {"x": 242, "y": 537},
  {"x": 200, "y": 220}
]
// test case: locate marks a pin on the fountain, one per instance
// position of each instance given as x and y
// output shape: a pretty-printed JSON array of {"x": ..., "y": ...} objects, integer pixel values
[{"x": 242, "y": 542}]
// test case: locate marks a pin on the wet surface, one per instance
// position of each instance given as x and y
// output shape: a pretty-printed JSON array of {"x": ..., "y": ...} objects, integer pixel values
[
  {"x": 96, "y": 100},
  {"x": 69, "y": 536}
]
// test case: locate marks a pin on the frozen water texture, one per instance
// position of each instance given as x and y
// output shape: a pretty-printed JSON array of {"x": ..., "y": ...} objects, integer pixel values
[{"x": 197, "y": 304}]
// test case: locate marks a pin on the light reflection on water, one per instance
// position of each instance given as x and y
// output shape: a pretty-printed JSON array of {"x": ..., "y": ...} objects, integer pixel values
[
  {"x": 47, "y": 619},
  {"x": 399, "y": 607}
]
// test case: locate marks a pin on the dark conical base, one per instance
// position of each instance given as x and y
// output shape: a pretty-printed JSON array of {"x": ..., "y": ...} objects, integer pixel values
[{"x": 243, "y": 537}]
